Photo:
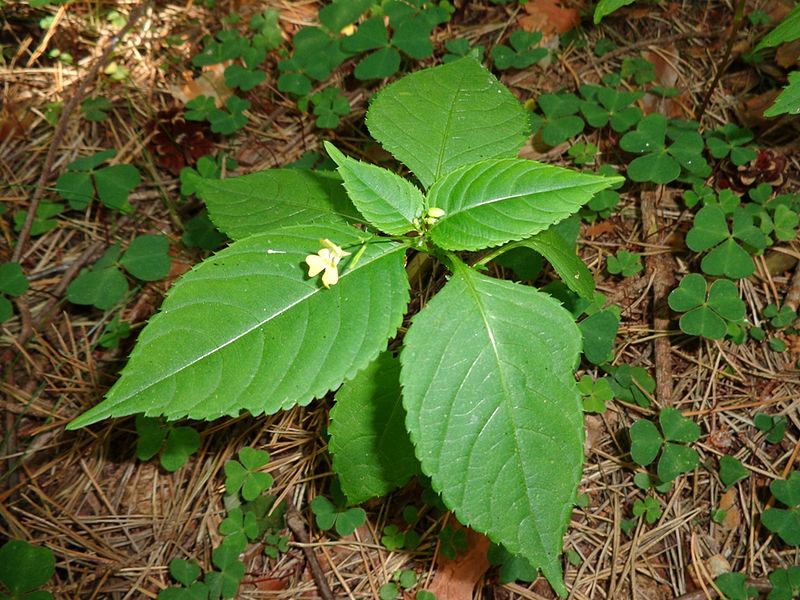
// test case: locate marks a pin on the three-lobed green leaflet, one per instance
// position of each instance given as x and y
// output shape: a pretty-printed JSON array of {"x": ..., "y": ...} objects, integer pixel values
[{"x": 486, "y": 374}]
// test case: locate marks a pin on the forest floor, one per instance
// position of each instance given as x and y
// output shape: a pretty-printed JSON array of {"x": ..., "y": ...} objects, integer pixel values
[{"x": 115, "y": 522}]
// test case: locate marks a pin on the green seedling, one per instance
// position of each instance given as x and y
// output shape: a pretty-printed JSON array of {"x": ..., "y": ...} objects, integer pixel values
[
  {"x": 459, "y": 48},
  {"x": 707, "y": 312},
  {"x": 660, "y": 162},
  {"x": 316, "y": 54},
  {"x": 388, "y": 591},
  {"x": 734, "y": 586},
  {"x": 727, "y": 257},
  {"x": 731, "y": 141},
  {"x": 225, "y": 582},
  {"x": 599, "y": 330},
  {"x": 624, "y": 263},
  {"x": 606, "y": 106},
  {"x": 604, "y": 46},
  {"x": 200, "y": 108},
  {"x": 275, "y": 545},
  {"x": 243, "y": 78},
  {"x": 595, "y": 393},
  {"x": 12, "y": 283},
  {"x": 777, "y": 345},
  {"x": 230, "y": 120},
  {"x": 43, "y": 221},
  {"x": 245, "y": 476},
  {"x": 700, "y": 194},
  {"x": 328, "y": 516},
  {"x": 785, "y": 583},
  {"x": 67, "y": 59},
  {"x": 649, "y": 508},
  {"x": 175, "y": 444},
  {"x": 239, "y": 527},
  {"x": 779, "y": 318},
  {"x": 96, "y": 109},
  {"x": 330, "y": 105},
  {"x": 676, "y": 457},
  {"x": 731, "y": 470},
  {"x": 116, "y": 331},
  {"x": 452, "y": 542},
  {"x": 604, "y": 202},
  {"x": 187, "y": 573},
  {"x": 631, "y": 384},
  {"x": 24, "y": 568},
  {"x": 104, "y": 284},
  {"x": 299, "y": 278},
  {"x": 559, "y": 120},
  {"x": 269, "y": 518},
  {"x": 583, "y": 154},
  {"x": 86, "y": 180},
  {"x": 116, "y": 71},
  {"x": 758, "y": 18},
  {"x": 267, "y": 33},
  {"x": 645, "y": 481},
  {"x": 521, "y": 53},
  {"x": 395, "y": 539},
  {"x": 640, "y": 70},
  {"x": 785, "y": 522},
  {"x": 773, "y": 427}
]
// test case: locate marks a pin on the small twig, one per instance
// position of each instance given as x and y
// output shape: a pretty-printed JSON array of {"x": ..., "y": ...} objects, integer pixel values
[
  {"x": 61, "y": 129},
  {"x": 738, "y": 17},
  {"x": 662, "y": 269},
  {"x": 295, "y": 522}
]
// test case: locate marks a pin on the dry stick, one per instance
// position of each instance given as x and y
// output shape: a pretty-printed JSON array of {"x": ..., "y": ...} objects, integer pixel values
[
  {"x": 295, "y": 522},
  {"x": 738, "y": 17},
  {"x": 61, "y": 129},
  {"x": 662, "y": 269}
]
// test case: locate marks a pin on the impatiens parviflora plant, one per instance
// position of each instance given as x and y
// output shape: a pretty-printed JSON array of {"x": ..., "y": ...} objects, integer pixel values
[{"x": 302, "y": 301}]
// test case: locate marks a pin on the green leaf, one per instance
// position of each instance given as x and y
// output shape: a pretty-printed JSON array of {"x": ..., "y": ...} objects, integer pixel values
[
  {"x": 77, "y": 188},
  {"x": 370, "y": 35},
  {"x": 324, "y": 512},
  {"x": 658, "y": 167},
  {"x": 731, "y": 470},
  {"x": 728, "y": 259},
  {"x": 677, "y": 428},
  {"x": 690, "y": 294},
  {"x": 96, "y": 109},
  {"x": 723, "y": 298},
  {"x": 12, "y": 279},
  {"x": 246, "y": 476},
  {"x": 115, "y": 331},
  {"x": 785, "y": 583},
  {"x": 146, "y": 257},
  {"x": 114, "y": 183},
  {"x": 709, "y": 229},
  {"x": 182, "y": 442},
  {"x": 184, "y": 571},
  {"x": 703, "y": 322},
  {"x": 102, "y": 288},
  {"x": 6, "y": 309},
  {"x": 24, "y": 567},
  {"x": 43, "y": 221},
  {"x": 237, "y": 76},
  {"x": 248, "y": 330},
  {"x": 788, "y": 490},
  {"x": 372, "y": 454},
  {"x": 786, "y": 31},
  {"x": 496, "y": 201},
  {"x": 624, "y": 263},
  {"x": 676, "y": 460},
  {"x": 267, "y": 200},
  {"x": 646, "y": 441},
  {"x": 788, "y": 101},
  {"x": 151, "y": 434},
  {"x": 386, "y": 200},
  {"x": 734, "y": 586},
  {"x": 606, "y": 7},
  {"x": 497, "y": 421},
  {"x": 572, "y": 270},
  {"x": 339, "y": 14},
  {"x": 785, "y": 523},
  {"x": 378, "y": 65},
  {"x": 349, "y": 520},
  {"x": 599, "y": 331},
  {"x": 439, "y": 119}
]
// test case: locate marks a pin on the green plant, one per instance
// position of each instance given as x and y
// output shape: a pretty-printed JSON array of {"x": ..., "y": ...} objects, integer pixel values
[
  {"x": 330, "y": 105},
  {"x": 43, "y": 221},
  {"x": 459, "y": 48},
  {"x": 785, "y": 521},
  {"x": 559, "y": 120},
  {"x": 730, "y": 140},
  {"x": 676, "y": 431},
  {"x": 773, "y": 427},
  {"x": 788, "y": 101},
  {"x": 734, "y": 586},
  {"x": 731, "y": 470},
  {"x": 708, "y": 312},
  {"x": 521, "y": 53},
  {"x": 328, "y": 516},
  {"x": 244, "y": 475},
  {"x": 660, "y": 162},
  {"x": 12, "y": 283},
  {"x": 84, "y": 181},
  {"x": 283, "y": 335},
  {"x": 583, "y": 154},
  {"x": 452, "y": 541},
  {"x": 785, "y": 583},
  {"x": 624, "y": 263},
  {"x": 606, "y": 7},
  {"x": 631, "y": 384},
  {"x": 24, "y": 568},
  {"x": 115, "y": 331},
  {"x": 187, "y": 573},
  {"x": 96, "y": 109},
  {"x": 173, "y": 444},
  {"x": 606, "y": 106},
  {"x": 595, "y": 393},
  {"x": 104, "y": 284},
  {"x": 649, "y": 508}
]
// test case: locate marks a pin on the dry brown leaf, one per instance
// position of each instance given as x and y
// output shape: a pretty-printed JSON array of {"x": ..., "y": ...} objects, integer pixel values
[
  {"x": 455, "y": 579},
  {"x": 666, "y": 76},
  {"x": 788, "y": 55},
  {"x": 210, "y": 83},
  {"x": 733, "y": 516},
  {"x": 549, "y": 16},
  {"x": 599, "y": 228}
]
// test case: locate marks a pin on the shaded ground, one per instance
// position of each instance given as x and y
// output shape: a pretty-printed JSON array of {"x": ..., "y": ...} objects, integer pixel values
[{"x": 115, "y": 522}]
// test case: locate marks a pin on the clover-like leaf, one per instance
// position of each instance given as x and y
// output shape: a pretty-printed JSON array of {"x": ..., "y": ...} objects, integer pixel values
[
  {"x": 12, "y": 279},
  {"x": 734, "y": 586},
  {"x": 675, "y": 460},
  {"x": 624, "y": 263},
  {"x": 182, "y": 442},
  {"x": 184, "y": 571},
  {"x": 244, "y": 475},
  {"x": 646, "y": 441},
  {"x": 146, "y": 257},
  {"x": 25, "y": 567},
  {"x": 677, "y": 428},
  {"x": 731, "y": 470}
]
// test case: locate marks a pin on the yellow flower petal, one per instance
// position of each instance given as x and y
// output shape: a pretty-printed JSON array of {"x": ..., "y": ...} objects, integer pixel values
[
  {"x": 330, "y": 277},
  {"x": 315, "y": 265}
]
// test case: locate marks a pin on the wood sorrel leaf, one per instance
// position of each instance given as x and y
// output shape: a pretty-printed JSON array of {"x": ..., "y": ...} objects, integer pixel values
[
  {"x": 386, "y": 200},
  {"x": 496, "y": 201},
  {"x": 248, "y": 329},
  {"x": 261, "y": 202},
  {"x": 439, "y": 119},
  {"x": 372, "y": 454},
  {"x": 494, "y": 411}
]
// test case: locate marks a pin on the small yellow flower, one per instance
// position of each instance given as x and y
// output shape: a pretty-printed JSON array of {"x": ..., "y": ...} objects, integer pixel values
[{"x": 327, "y": 260}]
